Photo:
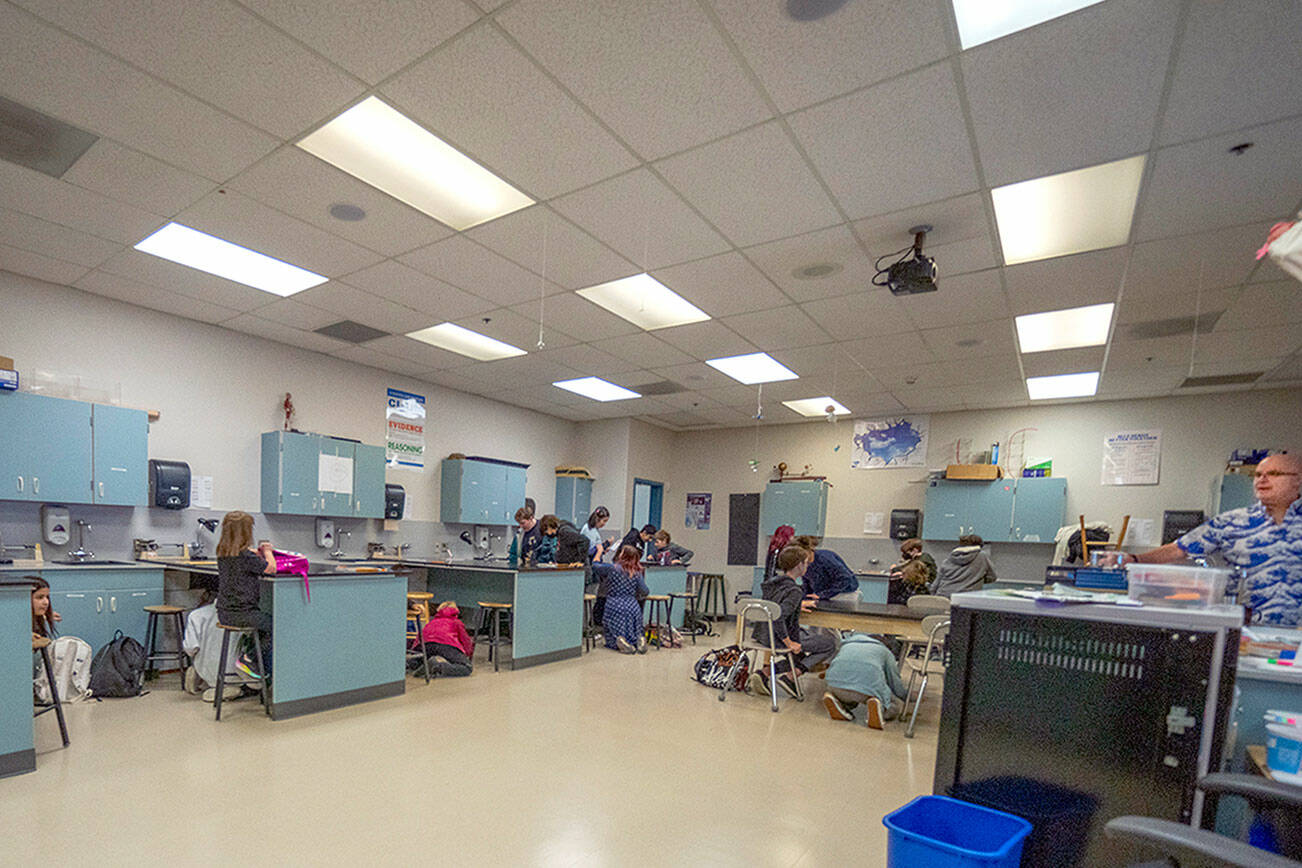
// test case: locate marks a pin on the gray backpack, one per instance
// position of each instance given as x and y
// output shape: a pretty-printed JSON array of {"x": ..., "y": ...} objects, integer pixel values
[{"x": 118, "y": 668}]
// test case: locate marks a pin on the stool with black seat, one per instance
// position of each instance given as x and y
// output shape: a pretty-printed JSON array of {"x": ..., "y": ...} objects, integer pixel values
[
  {"x": 417, "y": 613},
  {"x": 41, "y": 645},
  {"x": 658, "y": 614},
  {"x": 176, "y": 615},
  {"x": 490, "y": 621},
  {"x": 256, "y": 634},
  {"x": 689, "y": 610},
  {"x": 590, "y": 628}
]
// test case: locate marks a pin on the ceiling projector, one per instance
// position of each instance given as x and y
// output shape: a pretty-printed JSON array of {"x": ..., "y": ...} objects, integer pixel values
[{"x": 912, "y": 272}]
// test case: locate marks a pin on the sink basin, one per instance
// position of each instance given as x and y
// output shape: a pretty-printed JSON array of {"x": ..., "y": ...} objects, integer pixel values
[{"x": 92, "y": 562}]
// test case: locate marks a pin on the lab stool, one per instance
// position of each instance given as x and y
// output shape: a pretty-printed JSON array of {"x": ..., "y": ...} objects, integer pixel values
[
  {"x": 658, "y": 614},
  {"x": 711, "y": 597},
  {"x": 689, "y": 610},
  {"x": 590, "y": 628},
  {"x": 227, "y": 630},
  {"x": 177, "y": 615},
  {"x": 418, "y": 613},
  {"x": 41, "y": 645},
  {"x": 490, "y": 620}
]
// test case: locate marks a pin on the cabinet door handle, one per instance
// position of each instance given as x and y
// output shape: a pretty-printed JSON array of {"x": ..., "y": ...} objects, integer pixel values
[
  {"x": 113, "y": 604},
  {"x": 99, "y": 605},
  {"x": 101, "y": 489},
  {"x": 36, "y": 484},
  {"x": 20, "y": 484}
]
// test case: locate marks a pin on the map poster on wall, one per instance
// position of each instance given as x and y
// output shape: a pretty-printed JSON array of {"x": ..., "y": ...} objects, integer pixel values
[
  {"x": 1132, "y": 457},
  {"x": 404, "y": 438},
  {"x": 698, "y": 511},
  {"x": 898, "y": 441}
]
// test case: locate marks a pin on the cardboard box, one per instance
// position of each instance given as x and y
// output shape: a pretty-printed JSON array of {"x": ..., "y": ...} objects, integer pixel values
[
  {"x": 6, "y": 363},
  {"x": 973, "y": 471}
]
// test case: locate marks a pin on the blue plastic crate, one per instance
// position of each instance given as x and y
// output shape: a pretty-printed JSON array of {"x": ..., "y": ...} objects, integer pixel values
[
  {"x": 940, "y": 832},
  {"x": 1101, "y": 580}
]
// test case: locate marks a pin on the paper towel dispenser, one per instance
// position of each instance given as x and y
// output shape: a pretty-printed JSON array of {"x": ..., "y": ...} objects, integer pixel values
[
  {"x": 169, "y": 484},
  {"x": 395, "y": 498}
]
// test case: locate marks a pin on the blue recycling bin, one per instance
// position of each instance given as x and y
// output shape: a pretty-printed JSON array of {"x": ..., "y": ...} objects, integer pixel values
[{"x": 940, "y": 832}]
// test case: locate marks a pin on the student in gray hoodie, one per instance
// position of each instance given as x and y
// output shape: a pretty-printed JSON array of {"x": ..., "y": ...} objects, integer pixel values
[{"x": 966, "y": 568}]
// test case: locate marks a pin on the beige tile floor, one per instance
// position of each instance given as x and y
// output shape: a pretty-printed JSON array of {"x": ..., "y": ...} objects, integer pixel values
[{"x": 603, "y": 760}]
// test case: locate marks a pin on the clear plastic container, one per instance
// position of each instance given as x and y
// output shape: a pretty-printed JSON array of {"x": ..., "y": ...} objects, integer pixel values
[{"x": 1177, "y": 584}]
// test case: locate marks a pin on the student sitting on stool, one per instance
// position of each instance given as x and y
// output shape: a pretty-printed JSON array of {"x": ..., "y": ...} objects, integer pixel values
[
  {"x": 447, "y": 642},
  {"x": 668, "y": 552},
  {"x": 864, "y": 670},
  {"x": 810, "y": 648},
  {"x": 240, "y": 568}
]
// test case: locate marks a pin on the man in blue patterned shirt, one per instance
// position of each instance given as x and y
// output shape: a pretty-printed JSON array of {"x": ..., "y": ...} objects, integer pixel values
[{"x": 1264, "y": 539}]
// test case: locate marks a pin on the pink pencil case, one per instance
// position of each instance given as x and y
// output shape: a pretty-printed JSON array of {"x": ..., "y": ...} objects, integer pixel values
[{"x": 293, "y": 564}]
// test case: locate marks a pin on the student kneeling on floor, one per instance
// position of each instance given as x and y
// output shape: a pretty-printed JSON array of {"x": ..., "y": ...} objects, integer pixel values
[
  {"x": 810, "y": 648},
  {"x": 447, "y": 643},
  {"x": 864, "y": 670}
]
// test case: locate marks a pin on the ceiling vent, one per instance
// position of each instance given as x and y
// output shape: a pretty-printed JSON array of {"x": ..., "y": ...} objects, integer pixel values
[
  {"x": 664, "y": 387},
  {"x": 353, "y": 332},
  {"x": 1222, "y": 380},
  {"x": 1174, "y": 327},
  {"x": 38, "y": 141}
]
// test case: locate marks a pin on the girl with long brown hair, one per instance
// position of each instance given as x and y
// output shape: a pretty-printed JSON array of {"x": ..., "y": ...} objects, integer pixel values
[
  {"x": 240, "y": 568},
  {"x": 621, "y": 621}
]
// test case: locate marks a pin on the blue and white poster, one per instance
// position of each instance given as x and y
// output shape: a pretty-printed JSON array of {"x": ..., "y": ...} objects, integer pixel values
[
  {"x": 898, "y": 441},
  {"x": 404, "y": 439}
]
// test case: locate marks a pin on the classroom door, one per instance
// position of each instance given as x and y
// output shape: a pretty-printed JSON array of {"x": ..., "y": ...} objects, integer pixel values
[{"x": 648, "y": 502}]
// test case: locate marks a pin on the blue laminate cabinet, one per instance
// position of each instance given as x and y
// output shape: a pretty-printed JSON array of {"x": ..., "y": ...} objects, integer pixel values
[
  {"x": 999, "y": 510},
  {"x": 1039, "y": 509},
  {"x": 94, "y": 602},
  {"x": 17, "y": 747},
  {"x": 368, "y": 481},
  {"x": 991, "y": 510},
  {"x": 120, "y": 455},
  {"x": 480, "y": 492},
  {"x": 799, "y": 503},
  {"x": 573, "y": 499},
  {"x": 47, "y": 448},
  {"x": 1236, "y": 492},
  {"x": 947, "y": 509},
  {"x": 335, "y": 502},
  {"x": 515, "y": 492},
  {"x": 289, "y": 473}
]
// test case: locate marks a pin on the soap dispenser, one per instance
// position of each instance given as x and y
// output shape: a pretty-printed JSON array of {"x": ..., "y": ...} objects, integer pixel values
[{"x": 55, "y": 524}]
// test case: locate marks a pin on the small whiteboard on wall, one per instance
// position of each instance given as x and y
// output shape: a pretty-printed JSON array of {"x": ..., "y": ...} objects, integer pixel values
[{"x": 1132, "y": 457}]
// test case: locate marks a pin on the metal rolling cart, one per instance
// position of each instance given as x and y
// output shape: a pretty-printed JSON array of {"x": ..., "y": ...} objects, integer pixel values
[{"x": 1070, "y": 715}]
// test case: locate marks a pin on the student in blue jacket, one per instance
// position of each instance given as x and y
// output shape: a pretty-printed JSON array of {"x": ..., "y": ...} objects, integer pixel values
[
  {"x": 827, "y": 577},
  {"x": 864, "y": 670}
]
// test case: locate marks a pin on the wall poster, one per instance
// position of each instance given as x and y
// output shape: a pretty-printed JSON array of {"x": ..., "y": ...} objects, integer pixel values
[
  {"x": 1132, "y": 457},
  {"x": 404, "y": 439},
  {"x": 698, "y": 511},
  {"x": 898, "y": 441}
]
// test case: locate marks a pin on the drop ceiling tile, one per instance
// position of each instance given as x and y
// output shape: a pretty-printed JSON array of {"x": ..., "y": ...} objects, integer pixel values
[
  {"x": 515, "y": 328},
  {"x": 216, "y": 51},
  {"x": 686, "y": 401},
  {"x": 1263, "y": 303},
  {"x": 41, "y": 267},
  {"x": 983, "y": 369},
  {"x": 783, "y": 260},
  {"x": 1207, "y": 260},
  {"x": 1200, "y": 186},
  {"x": 873, "y": 167},
  {"x": 454, "y": 379},
  {"x": 722, "y": 285},
  {"x": 145, "y": 295},
  {"x": 399, "y": 283},
  {"x": 1290, "y": 369},
  {"x": 351, "y": 303},
  {"x": 39, "y": 195},
  {"x": 962, "y": 218},
  {"x": 735, "y": 396},
  {"x": 1220, "y": 81},
  {"x": 295, "y": 314},
  {"x": 963, "y": 257},
  {"x": 546, "y": 243},
  {"x": 873, "y": 405},
  {"x": 647, "y": 223},
  {"x": 780, "y": 328},
  {"x": 480, "y": 94},
  {"x": 430, "y": 358},
  {"x": 1136, "y": 309},
  {"x": 1043, "y": 102},
  {"x": 920, "y": 375},
  {"x": 58, "y": 74},
  {"x": 52, "y": 240},
  {"x": 732, "y": 418},
  {"x": 933, "y": 400},
  {"x": 706, "y": 340},
  {"x": 889, "y": 350},
  {"x": 803, "y": 62},
  {"x": 190, "y": 282},
  {"x": 1067, "y": 281},
  {"x": 365, "y": 355},
  {"x": 1063, "y": 361},
  {"x": 1254, "y": 343},
  {"x": 961, "y": 299},
  {"x": 1150, "y": 353},
  {"x": 575, "y": 315},
  {"x": 372, "y": 39},
  {"x": 274, "y": 331},
  {"x": 476, "y": 269},
  {"x": 738, "y": 181},
  {"x": 1237, "y": 365},
  {"x": 620, "y": 409},
  {"x": 679, "y": 420},
  {"x": 1006, "y": 394},
  {"x": 243, "y": 221},
  {"x": 970, "y": 339},
  {"x": 573, "y": 414},
  {"x": 644, "y": 349},
  {"x": 137, "y": 179},
  {"x": 297, "y": 183},
  {"x": 660, "y": 75},
  {"x": 586, "y": 359},
  {"x": 519, "y": 371},
  {"x": 695, "y": 376},
  {"x": 872, "y": 312},
  {"x": 824, "y": 360},
  {"x": 1141, "y": 382}
]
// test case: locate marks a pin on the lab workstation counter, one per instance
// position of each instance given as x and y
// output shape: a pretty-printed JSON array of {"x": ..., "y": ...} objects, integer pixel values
[{"x": 17, "y": 745}]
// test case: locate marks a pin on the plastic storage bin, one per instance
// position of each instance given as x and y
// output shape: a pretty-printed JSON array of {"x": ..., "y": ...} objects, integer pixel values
[
  {"x": 940, "y": 832},
  {"x": 1177, "y": 584},
  {"x": 1098, "y": 579},
  {"x": 1284, "y": 748}
]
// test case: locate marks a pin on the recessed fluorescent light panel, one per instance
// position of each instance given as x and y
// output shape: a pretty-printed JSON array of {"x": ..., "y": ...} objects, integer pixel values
[
  {"x": 1073, "y": 212},
  {"x": 1063, "y": 386},
  {"x": 983, "y": 21},
  {"x": 644, "y": 301},
  {"x": 753, "y": 368},
  {"x": 817, "y": 406},
  {"x": 450, "y": 336},
  {"x": 597, "y": 389},
  {"x": 208, "y": 253},
  {"x": 1064, "y": 329},
  {"x": 381, "y": 146}
]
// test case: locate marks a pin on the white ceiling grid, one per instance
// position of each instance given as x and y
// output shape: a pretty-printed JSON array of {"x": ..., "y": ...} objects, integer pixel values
[{"x": 718, "y": 144}]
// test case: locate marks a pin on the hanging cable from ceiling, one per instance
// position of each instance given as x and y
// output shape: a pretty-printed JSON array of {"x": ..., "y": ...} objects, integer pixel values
[{"x": 542, "y": 287}]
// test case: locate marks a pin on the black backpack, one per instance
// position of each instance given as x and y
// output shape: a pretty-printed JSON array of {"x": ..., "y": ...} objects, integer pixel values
[{"x": 118, "y": 668}]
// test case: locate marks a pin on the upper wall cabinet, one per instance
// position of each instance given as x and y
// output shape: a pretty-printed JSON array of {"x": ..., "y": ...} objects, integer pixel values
[
  {"x": 799, "y": 503},
  {"x": 573, "y": 499},
  {"x": 1000, "y": 510},
  {"x": 474, "y": 491},
  {"x": 308, "y": 474},
  {"x": 59, "y": 450}
]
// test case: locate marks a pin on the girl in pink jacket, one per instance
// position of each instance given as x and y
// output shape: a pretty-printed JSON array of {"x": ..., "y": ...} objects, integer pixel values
[{"x": 447, "y": 643}]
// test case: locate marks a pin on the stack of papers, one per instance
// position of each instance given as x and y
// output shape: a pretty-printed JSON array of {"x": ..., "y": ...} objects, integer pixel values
[{"x": 1067, "y": 594}]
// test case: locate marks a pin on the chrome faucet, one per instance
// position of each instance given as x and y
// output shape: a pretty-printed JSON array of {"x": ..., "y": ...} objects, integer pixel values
[
  {"x": 81, "y": 554},
  {"x": 339, "y": 544}
]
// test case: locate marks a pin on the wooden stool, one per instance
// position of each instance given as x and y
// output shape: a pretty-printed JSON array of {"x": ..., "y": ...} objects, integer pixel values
[
  {"x": 689, "y": 610},
  {"x": 494, "y": 611},
  {"x": 177, "y": 615},
  {"x": 657, "y": 610},
  {"x": 41, "y": 645},
  {"x": 227, "y": 630},
  {"x": 711, "y": 597},
  {"x": 589, "y": 627},
  {"x": 417, "y": 611}
]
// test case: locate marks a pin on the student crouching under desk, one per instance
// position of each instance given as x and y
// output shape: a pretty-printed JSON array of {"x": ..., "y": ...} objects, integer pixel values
[{"x": 864, "y": 671}]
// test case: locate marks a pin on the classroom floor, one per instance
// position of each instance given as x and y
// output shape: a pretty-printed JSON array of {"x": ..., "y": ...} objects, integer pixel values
[{"x": 604, "y": 760}]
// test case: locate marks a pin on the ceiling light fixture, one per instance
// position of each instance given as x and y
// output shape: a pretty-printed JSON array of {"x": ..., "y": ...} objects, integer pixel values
[
  {"x": 982, "y": 21},
  {"x": 1080, "y": 385},
  {"x": 818, "y": 406},
  {"x": 644, "y": 301},
  {"x": 1064, "y": 329},
  {"x": 386, "y": 149},
  {"x": 753, "y": 368},
  {"x": 208, "y": 253},
  {"x": 597, "y": 389},
  {"x": 449, "y": 336},
  {"x": 1072, "y": 212}
]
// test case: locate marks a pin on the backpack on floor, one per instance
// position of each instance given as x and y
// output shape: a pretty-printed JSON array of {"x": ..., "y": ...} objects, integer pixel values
[
  {"x": 71, "y": 659},
  {"x": 713, "y": 667},
  {"x": 118, "y": 668}
]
